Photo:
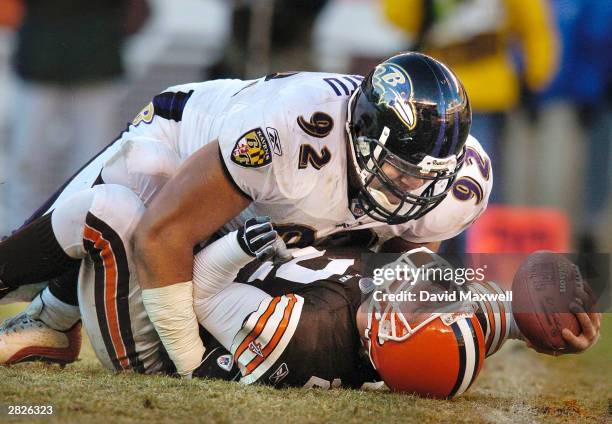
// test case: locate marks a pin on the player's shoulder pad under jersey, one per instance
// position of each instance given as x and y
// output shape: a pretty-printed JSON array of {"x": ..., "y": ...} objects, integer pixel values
[
  {"x": 278, "y": 127},
  {"x": 465, "y": 202}
]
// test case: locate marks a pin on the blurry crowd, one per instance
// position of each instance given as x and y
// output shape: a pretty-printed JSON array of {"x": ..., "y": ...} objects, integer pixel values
[
  {"x": 67, "y": 81},
  {"x": 538, "y": 73}
]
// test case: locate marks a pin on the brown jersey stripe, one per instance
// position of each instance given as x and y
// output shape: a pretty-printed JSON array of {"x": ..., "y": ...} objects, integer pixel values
[
  {"x": 106, "y": 258},
  {"x": 490, "y": 315},
  {"x": 257, "y": 328},
  {"x": 278, "y": 334},
  {"x": 99, "y": 301},
  {"x": 112, "y": 262},
  {"x": 502, "y": 317}
]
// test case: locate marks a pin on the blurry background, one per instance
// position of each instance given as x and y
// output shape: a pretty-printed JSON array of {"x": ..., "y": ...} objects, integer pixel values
[{"x": 537, "y": 72}]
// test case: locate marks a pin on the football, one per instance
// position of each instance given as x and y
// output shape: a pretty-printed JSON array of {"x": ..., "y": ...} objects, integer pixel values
[{"x": 543, "y": 288}]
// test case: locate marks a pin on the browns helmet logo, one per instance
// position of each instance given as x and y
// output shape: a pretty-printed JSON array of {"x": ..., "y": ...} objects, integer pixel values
[
  {"x": 391, "y": 80},
  {"x": 319, "y": 125},
  {"x": 252, "y": 150}
]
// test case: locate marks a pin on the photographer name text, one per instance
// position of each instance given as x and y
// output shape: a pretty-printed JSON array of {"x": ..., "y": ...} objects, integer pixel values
[{"x": 423, "y": 296}]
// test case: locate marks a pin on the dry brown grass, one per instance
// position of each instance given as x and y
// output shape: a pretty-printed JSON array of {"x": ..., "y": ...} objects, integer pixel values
[{"x": 515, "y": 386}]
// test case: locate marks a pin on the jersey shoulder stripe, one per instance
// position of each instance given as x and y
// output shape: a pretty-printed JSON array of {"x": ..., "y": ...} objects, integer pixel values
[
  {"x": 256, "y": 328},
  {"x": 170, "y": 105},
  {"x": 343, "y": 85},
  {"x": 265, "y": 335}
]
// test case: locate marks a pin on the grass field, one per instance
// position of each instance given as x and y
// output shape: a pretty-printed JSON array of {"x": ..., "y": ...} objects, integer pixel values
[{"x": 515, "y": 386}]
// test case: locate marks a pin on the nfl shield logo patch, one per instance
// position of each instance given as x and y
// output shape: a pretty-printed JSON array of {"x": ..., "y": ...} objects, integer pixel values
[
  {"x": 252, "y": 150},
  {"x": 225, "y": 362}
]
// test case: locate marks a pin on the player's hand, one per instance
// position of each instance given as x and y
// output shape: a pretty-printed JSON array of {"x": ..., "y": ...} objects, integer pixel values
[
  {"x": 590, "y": 322},
  {"x": 257, "y": 237},
  {"x": 590, "y": 325}
]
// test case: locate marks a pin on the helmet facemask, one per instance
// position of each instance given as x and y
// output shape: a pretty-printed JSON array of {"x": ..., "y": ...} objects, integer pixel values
[
  {"x": 398, "y": 320},
  {"x": 417, "y": 346},
  {"x": 381, "y": 193}
]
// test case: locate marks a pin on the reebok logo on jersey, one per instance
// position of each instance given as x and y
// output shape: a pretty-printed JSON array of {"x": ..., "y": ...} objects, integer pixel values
[
  {"x": 225, "y": 362},
  {"x": 280, "y": 373},
  {"x": 252, "y": 150},
  {"x": 274, "y": 141},
  {"x": 255, "y": 347}
]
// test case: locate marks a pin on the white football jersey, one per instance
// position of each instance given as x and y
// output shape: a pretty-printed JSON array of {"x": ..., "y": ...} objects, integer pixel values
[{"x": 283, "y": 142}]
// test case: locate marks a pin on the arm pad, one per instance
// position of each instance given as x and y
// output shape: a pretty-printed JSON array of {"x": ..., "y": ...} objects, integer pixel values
[{"x": 170, "y": 309}]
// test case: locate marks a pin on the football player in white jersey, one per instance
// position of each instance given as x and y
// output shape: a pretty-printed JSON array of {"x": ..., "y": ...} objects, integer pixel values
[
  {"x": 312, "y": 320},
  {"x": 318, "y": 153}
]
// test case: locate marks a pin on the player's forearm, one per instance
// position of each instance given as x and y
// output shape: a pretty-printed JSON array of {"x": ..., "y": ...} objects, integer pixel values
[
  {"x": 160, "y": 259},
  {"x": 217, "y": 266},
  {"x": 164, "y": 266},
  {"x": 171, "y": 311},
  {"x": 221, "y": 306},
  {"x": 190, "y": 207}
]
